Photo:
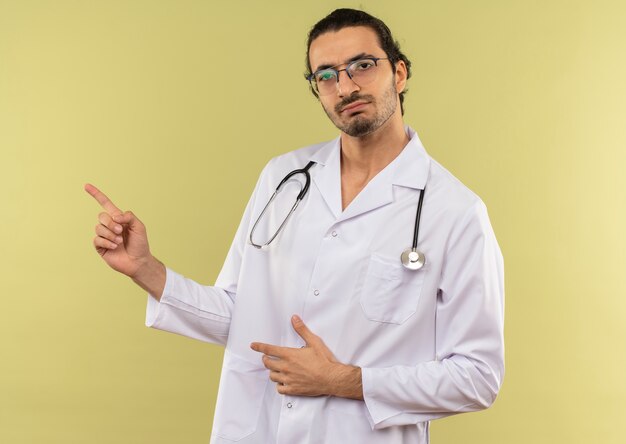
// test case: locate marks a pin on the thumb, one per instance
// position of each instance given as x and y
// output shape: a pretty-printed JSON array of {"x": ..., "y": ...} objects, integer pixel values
[
  {"x": 129, "y": 218},
  {"x": 303, "y": 331}
]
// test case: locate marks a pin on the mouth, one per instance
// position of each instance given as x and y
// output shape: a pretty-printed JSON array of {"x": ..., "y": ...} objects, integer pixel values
[{"x": 355, "y": 106}]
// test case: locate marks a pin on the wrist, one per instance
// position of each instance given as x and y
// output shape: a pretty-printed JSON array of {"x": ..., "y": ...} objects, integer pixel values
[
  {"x": 145, "y": 266},
  {"x": 346, "y": 382},
  {"x": 150, "y": 276}
]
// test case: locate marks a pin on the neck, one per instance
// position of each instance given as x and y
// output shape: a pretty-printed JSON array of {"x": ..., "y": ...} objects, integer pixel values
[{"x": 368, "y": 155}]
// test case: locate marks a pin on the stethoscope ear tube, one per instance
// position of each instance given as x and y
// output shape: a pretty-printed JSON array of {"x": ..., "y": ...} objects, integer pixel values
[
  {"x": 301, "y": 195},
  {"x": 307, "y": 182}
]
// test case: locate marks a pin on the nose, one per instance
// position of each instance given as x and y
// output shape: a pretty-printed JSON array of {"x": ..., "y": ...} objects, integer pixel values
[{"x": 345, "y": 84}]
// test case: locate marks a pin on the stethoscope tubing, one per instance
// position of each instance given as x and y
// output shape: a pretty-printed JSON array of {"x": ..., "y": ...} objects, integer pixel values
[
  {"x": 299, "y": 198},
  {"x": 418, "y": 217},
  {"x": 307, "y": 183},
  {"x": 412, "y": 259}
]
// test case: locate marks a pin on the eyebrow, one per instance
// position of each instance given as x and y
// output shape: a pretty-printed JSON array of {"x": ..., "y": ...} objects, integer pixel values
[{"x": 352, "y": 59}]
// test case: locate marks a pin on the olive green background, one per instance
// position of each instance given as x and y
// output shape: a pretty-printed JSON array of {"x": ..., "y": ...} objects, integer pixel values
[{"x": 173, "y": 107}]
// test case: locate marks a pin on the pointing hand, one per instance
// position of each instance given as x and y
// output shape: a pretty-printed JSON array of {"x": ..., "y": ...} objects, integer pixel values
[
  {"x": 121, "y": 238},
  {"x": 311, "y": 370}
]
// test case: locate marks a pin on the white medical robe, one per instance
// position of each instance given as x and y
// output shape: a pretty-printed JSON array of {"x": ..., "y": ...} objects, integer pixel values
[{"x": 429, "y": 342}]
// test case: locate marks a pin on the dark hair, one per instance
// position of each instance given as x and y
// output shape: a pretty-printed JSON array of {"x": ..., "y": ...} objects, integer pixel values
[{"x": 344, "y": 18}]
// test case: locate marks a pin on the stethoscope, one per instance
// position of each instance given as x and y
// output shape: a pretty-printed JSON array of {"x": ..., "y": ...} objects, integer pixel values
[{"x": 411, "y": 258}]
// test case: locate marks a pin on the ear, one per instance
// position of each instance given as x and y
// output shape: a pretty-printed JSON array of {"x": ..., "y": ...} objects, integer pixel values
[{"x": 401, "y": 76}]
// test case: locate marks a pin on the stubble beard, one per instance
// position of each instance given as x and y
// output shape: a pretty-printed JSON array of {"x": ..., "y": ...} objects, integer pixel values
[{"x": 359, "y": 126}]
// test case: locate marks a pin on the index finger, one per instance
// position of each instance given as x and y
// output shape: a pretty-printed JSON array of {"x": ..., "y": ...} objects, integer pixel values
[
  {"x": 271, "y": 350},
  {"x": 102, "y": 199}
]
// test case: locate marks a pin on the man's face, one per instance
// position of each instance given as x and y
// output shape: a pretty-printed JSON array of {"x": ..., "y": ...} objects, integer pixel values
[{"x": 357, "y": 110}]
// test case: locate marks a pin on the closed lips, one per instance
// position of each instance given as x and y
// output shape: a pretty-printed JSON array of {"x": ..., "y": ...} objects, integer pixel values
[{"x": 353, "y": 105}]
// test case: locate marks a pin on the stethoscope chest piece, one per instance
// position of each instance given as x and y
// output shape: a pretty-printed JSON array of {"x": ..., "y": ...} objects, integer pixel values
[{"x": 413, "y": 259}]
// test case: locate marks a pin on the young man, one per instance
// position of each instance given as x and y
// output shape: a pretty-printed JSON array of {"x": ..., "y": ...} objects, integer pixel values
[{"x": 375, "y": 307}]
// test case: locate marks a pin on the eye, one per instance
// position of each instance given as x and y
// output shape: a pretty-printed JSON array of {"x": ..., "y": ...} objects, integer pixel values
[
  {"x": 325, "y": 76},
  {"x": 363, "y": 65}
]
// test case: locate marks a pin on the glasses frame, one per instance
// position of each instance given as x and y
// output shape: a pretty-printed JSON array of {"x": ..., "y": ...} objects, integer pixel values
[{"x": 313, "y": 83}]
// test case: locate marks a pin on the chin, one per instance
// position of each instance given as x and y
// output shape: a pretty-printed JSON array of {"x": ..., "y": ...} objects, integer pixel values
[{"x": 360, "y": 129}]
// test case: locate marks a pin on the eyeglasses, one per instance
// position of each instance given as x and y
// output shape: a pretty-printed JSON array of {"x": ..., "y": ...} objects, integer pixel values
[{"x": 361, "y": 72}]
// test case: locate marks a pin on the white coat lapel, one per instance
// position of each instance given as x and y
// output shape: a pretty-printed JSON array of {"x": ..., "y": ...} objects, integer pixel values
[
  {"x": 377, "y": 193},
  {"x": 409, "y": 169},
  {"x": 326, "y": 175}
]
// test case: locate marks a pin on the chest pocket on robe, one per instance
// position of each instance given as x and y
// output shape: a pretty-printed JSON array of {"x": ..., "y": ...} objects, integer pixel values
[{"x": 390, "y": 292}]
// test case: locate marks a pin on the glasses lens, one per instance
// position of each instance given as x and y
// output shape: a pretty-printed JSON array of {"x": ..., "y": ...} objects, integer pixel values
[
  {"x": 362, "y": 71},
  {"x": 325, "y": 81}
]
